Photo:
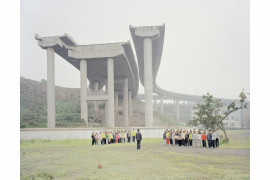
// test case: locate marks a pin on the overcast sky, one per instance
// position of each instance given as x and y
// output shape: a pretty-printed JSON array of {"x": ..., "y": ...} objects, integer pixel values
[{"x": 206, "y": 45}]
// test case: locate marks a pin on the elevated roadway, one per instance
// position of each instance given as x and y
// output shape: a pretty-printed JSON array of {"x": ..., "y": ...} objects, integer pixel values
[
  {"x": 148, "y": 42},
  {"x": 111, "y": 65}
]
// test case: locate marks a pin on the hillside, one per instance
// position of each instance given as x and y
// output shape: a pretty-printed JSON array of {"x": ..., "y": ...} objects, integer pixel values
[{"x": 33, "y": 108}]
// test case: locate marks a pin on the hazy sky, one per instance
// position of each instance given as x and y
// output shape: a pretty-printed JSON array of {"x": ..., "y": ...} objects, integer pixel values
[{"x": 206, "y": 45}]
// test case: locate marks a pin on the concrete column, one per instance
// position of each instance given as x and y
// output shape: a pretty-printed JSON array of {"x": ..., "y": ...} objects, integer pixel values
[
  {"x": 129, "y": 103},
  {"x": 50, "y": 88},
  {"x": 174, "y": 105},
  {"x": 191, "y": 110},
  {"x": 155, "y": 104},
  {"x": 161, "y": 105},
  {"x": 125, "y": 101},
  {"x": 148, "y": 82},
  {"x": 177, "y": 110},
  {"x": 116, "y": 99},
  {"x": 110, "y": 82},
  {"x": 106, "y": 103},
  {"x": 95, "y": 93},
  {"x": 84, "y": 108}
]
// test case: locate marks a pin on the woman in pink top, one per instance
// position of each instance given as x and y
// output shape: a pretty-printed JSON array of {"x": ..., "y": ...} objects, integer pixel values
[{"x": 116, "y": 137}]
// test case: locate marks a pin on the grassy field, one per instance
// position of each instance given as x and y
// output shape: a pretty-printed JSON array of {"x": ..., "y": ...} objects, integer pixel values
[{"x": 78, "y": 159}]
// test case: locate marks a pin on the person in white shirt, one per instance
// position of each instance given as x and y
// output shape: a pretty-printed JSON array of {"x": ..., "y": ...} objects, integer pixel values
[
  {"x": 199, "y": 139},
  {"x": 173, "y": 137},
  {"x": 183, "y": 138},
  {"x": 213, "y": 139},
  {"x": 194, "y": 139},
  {"x": 99, "y": 138},
  {"x": 217, "y": 138}
]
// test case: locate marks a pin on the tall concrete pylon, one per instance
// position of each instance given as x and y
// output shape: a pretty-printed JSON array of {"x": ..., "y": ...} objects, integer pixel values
[
  {"x": 110, "y": 83},
  {"x": 148, "y": 42},
  {"x": 177, "y": 110},
  {"x": 84, "y": 106},
  {"x": 161, "y": 105},
  {"x": 50, "y": 88}
]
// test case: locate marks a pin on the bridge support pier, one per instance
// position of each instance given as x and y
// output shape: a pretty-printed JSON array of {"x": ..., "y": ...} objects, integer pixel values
[
  {"x": 50, "y": 88},
  {"x": 84, "y": 107},
  {"x": 125, "y": 101},
  {"x": 177, "y": 110},
  {"x": 148, "y": 81},
  {"x": 96, "y": 93},
  {"x": 110, "y": 90},
  {"x": 129, "y": 104},
  {"x": 161, "y": 105}
]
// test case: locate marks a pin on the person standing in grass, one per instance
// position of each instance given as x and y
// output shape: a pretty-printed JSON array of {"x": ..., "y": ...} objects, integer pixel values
[
  {"x": 194, "y": 139},
  {"x": 199, "y": 139},
  {"x": 96, "y": 138},
  {"x": 103, "y": 138},
  {"x": 217, "y": 138},
  {"x": 128, "y": 135},
  {"x": 186, "y": 138},
  {"x": 93, "y": 138},
  {"x": 133, "y": 135},
  {"x": 164, "y": 138},
  {"x": 190, "y": 138},
  {"x": 116, "y": 137},
  {"x": 176, "y": 137},
  {"x": 107, "y": 137},
  {"x": 209, "y": 138},
  {"x": 180, "y": 138},
  {"x": 123, "y": 136},
  {"x": 167, "y": 137},
  {"x": 170, "y": 137},
  {"x": 183, "y": 135},
  {"x": 173, "y": 138},
  {"x": 213, "y": 139},
  {"x": 99, "y": 138},
  {"x": 204, "y": 139},
  {"x": 139, "y": 139}
]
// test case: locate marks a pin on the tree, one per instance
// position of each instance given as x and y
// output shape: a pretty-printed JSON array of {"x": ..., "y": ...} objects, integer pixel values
[{"x": 211, "y": 112}]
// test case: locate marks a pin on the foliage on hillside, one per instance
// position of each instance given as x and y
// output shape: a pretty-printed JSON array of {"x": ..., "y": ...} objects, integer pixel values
[{"x": 33, "y": 105}]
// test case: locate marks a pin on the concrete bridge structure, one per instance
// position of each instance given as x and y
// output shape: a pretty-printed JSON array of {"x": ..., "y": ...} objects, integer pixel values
[
  {"x": 111, "y": 65},
  {"x": 148, "y": 42}
]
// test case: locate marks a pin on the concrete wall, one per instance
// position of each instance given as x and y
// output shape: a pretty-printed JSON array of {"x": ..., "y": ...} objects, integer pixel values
[{"x": 84, "y": 133}]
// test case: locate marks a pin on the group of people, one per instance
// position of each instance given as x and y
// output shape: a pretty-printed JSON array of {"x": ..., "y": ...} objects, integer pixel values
[
  {"x": 191, "y": 138},
  {"x": 117, "y": 136},
  {"x": 110, "y": 137}
]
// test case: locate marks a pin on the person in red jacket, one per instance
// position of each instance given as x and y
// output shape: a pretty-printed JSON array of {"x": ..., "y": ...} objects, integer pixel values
[{"x": 204, "y": 139}]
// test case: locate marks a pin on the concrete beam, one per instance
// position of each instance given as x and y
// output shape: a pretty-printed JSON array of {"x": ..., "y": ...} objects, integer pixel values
[
  {"x": 97, "y": 98},
  {"x": 84, "y": 107},
  {"x": 50, "y": 88},
  {"x": 110, "y": 82}
]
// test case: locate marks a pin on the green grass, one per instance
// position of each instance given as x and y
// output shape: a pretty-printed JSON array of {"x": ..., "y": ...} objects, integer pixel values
[{"x": 78, "y": 159}]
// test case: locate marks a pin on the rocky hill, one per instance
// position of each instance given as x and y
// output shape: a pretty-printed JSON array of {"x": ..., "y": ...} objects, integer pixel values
[{"x": 33, "y": 108}]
